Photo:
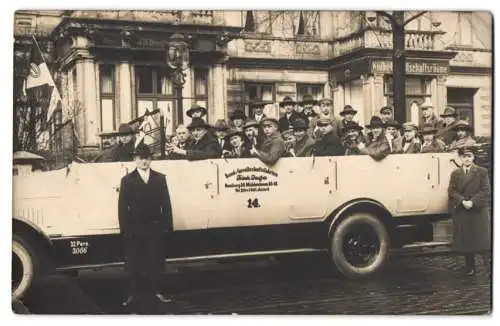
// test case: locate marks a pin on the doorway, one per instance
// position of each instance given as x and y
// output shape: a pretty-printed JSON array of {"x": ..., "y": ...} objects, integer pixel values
[{"x": 462, "y": 99}]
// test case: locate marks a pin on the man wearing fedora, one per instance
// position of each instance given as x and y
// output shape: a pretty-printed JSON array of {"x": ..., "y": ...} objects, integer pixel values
[
  {"x": 352, "y": 138},
  {"x": 220, "y": 129},
  {"x": 257, "y": 111},
  {"x": 273, "y": 146},
  {"x": 469, "y": 204},
  {"x": 238, "y": 145},
  {"x": 196, "y": 111},
  {"x": 430, "y": 143},
  {"x": 144, "y": 214},
  {"x": 393, "y": 135},
  {"x": 253, "y": 133},
  {"x": 379, "y": 147},
  {"x": 303, "y": 142},
  {"x": 411, "y": 143},
  {"x": 462, "y": 139},
  {"x": 122, "y": 150},
  {"x": 204, "y": 145},
  {"x": 238, "y": 119},
  {"x": 329, "y": 144},
  {"x": 347, "y": 115},
  {"x": 285, "y": 122},
  {"x": 445, "y": 131},
  {"x": 428, "y": 116}
]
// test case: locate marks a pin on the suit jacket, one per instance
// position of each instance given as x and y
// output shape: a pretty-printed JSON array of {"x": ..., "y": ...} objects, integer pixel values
[
  {"x": 304, "y": 146},
  {"x": 144, "y": 208},
  {"x": 253, "y": 117},
  {"x": 471, "y": 227},
  {"x": 378, "y": 149},
  {"x": 411, "y": 149},
  {"x": 285, "y": 124},
  {"x": 329, "y": 145},
  {"x": 446, "y": 133},
  {"x": 272, "y": 149},
  {"x": 206, "y": 148}
]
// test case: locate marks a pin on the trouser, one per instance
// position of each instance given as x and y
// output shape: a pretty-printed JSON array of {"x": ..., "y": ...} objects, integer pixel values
[{"x": 470, "y": 261}]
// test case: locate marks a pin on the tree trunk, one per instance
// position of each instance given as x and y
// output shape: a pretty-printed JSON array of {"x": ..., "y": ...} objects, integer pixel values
[{"x": 399, "y": 66}]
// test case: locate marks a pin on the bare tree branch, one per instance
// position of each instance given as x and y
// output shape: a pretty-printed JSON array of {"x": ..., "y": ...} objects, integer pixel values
[
  {"x": 409, "y": 20},
  {"x": 386, "y": 15}
]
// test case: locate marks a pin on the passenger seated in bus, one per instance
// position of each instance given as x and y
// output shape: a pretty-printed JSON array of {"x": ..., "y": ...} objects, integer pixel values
[
  {"x": 393, "y": 134},
  {"x": 386, "y": 114},
  {"x": 196, "y": 111},
  {"x": 378, "y": 148},
  {"x": 238, "y": 118},
  {"x": 303, "y": 142},
  {"x": 181, "y": 139},
  {"x": 308, "y": 103},
  {"x": 329, "y": 144},
  {"x": 430, "y": 143},
  {"x": 411, "y": 142},
  {"x": 238, "y": 145},
  {"x": 273, "y": 146},
  {"x": 352, "y": 138},
  {"x": 290, "y": 114},
  {"x": 445, "y": 130},
  {"x": 122, "y": 150},
  {"x": 253, "y": 132},
  {"x": 220, "y": 129},
  {"x": 289, "y": 139},
  {"x": 428, "y": 116},
  {"x": 326, "y": 111},
  {"x": 462, "y": 138},
  {"x": 367, "y": 135},
  {"x": 203, "y": 146},
  {"x": 347, "y": 114}
]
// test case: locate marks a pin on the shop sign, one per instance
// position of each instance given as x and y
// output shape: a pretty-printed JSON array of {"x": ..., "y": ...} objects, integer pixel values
[{"x": 412, "y": 68}]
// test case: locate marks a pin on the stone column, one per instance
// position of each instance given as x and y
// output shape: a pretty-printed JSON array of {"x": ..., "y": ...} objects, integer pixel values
[
  {"x": 89, "y": 99},
  {"x": 434, "y": 92},
  {"x": 339, "y": 97},
  {"x": 79, "y": 104},
  {"x": 124, "y": 88},
  {"x": 219, "y": 110},
  {"x": 441, "y": 94},
  {"x": 368, "y": 100},
  {"x": 378, "y": 94}
]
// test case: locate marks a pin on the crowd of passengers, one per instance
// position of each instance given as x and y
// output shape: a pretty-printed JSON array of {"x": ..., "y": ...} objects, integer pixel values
[{"x": 307, "y": 128}]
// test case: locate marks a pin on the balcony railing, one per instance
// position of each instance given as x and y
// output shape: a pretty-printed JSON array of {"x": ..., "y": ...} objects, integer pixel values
[
  {"x": 178, "y": 16},
  {"x": 382, "y": 39}
]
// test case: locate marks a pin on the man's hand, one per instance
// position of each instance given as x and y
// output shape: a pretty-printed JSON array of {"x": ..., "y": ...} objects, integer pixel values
[
  {"x": 467, "y": 204},
  {"x": 253, "y": 151},
  {"x": 361, "y": 145},
  {"x": 174, "y": 149}
]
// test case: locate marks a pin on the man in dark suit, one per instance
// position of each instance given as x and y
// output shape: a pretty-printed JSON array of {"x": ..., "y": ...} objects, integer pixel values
[
  {"x": 469, "y": 205},
  {"x": 285, "y": 122},
  {"x": 204, "y": 145},
  {"x": 257, "y": 111},
  {"x": 446, "y": 130},
  {"x": 273, "y": 146},
  {"x": 145, "y": 218},
  {"x": 329, "y": 143},
  {"x": 122, "y": 151}
]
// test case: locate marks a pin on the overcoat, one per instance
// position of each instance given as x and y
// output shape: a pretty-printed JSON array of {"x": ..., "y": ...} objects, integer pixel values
[
  {"x": 378, "y": 149},
  {"x": 285, "y": 123},
  {"x": 436, "y": 146},
  {"x": 329, "y": 145},
  {"x": 304, "y": 146},
  {"x": 207, "y": 147},
  {"x": 446, "y": 133},
  {"x": 471, "y": 228},
  {"x": 272, "y": 149}
]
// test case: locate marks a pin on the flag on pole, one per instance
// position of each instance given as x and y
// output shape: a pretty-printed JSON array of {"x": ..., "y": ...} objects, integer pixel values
[{"x": 40, "y": 76}]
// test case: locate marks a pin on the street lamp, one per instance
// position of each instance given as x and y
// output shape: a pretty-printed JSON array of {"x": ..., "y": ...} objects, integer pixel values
[{"x": 178, "y": 61}]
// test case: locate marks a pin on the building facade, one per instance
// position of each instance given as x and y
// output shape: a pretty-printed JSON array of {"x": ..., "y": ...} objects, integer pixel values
[{"x": 111, "y": 65}]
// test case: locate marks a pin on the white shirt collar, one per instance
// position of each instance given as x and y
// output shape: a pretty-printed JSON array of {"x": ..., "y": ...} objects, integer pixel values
[{"x": 144, "y": 174}]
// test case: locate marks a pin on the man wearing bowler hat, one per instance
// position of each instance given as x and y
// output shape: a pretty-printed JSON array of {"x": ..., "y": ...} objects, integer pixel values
[
  {"x": 430, "y": 143},
  {"x": 463, "y": 139},
  {"x": 145, "y": 219},
  {"x": 445, "y": 131},
  {"x": 379, "y": 147},
  {"x": 285, "y": 122},
  {"x": 196, "y": 111},
  {"x": 469, "y": 204},
  {"x": 122, "y": 151},
  {"x": 273, "y": 146},
  {"x": 257, "y": 111},
  {"x": 204, "y": 145},
  {"x": 347, "y": 115}
]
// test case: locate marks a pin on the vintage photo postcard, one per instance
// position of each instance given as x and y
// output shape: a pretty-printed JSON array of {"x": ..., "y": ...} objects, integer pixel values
[{"x": 252, "y": 162}]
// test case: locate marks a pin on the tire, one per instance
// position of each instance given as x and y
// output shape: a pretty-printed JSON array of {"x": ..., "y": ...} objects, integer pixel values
[
  {"x": 25, "y": 266},
  {"x": 359, "y": 245}
]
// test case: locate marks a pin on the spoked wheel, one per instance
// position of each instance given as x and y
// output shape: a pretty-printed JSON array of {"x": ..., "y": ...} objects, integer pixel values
[
  {"x": 359, "y": 245},
  {"x": 23, "y": 267}
]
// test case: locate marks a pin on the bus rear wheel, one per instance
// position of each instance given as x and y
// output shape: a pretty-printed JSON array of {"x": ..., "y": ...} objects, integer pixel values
[{"x": 359, "y": 245}]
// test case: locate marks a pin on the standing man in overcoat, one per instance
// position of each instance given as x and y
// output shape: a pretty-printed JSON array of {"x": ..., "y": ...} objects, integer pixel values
[
  {"x": 145, "y": 218},
  {"x": 469, "y": 205}
]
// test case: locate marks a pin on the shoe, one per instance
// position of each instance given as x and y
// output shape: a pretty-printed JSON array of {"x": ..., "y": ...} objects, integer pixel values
[
  {"x": 163, "y": 299},
  {"x": 471, "y": 272},
  {"x": 127, "y": 302}
]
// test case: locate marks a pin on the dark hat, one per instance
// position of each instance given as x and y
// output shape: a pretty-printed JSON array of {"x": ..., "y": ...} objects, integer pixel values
[
  {"x": 198, "y": 123},
  {"x": 287, "y": 100},
  {"x": 238, "y": 114},
  {"x": 265, "y": 120},
  {"x": 257, "y": 104},
  {"x": 142, "y": 150},
  {"x": 299, "y": 124},
  {"x": 462, "y": 125},
  {"x": 235, "y": 132},
  {"x": 308, "y": 99},
  {"x": 385, "y": 108},
  {"x": 221, "y": 125},
  {"x": 410, "y": 126},
  {"x": 324, "y": 121},
  {"x": 195, "y": 108},
  {"x": 428, "y": 129},
  {"x": 449, "y": 112},
  {"x": 467, "y": 149},
  {"x": 125, "y": 129},
  {"x": 393, "y": 123},
  {"x": 325, "y": 100},
  {"x": 376, "y": 122},
  {"x": 352, "y": 125},
  {"x": 250, "y": 123},
  {"x": 348, "y": 109}
]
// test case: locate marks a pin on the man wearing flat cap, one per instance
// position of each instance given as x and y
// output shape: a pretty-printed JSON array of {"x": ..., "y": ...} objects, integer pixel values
[
  {"x": 122, "y": 150},
  {"x": 257, "y": 111},
  {"x": 445, "y": 130},
  {"x": 347, "y": 115},
  {"x": 196, "y": 111},
  {"x": 470, "y": 204},
  {"x": 204, "y": 145},
  {"x": 273, "y": 146},
  {"x": 462, "y": 139},
  {"x": 329, "y": 143},
  {"x": 144, "y": 214},
  {"x": 285, "y": 122},
  {"x": 379, "y": 147},
  {"x": 430, "y": 143},
  {"x": 411, "y": 142}
]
